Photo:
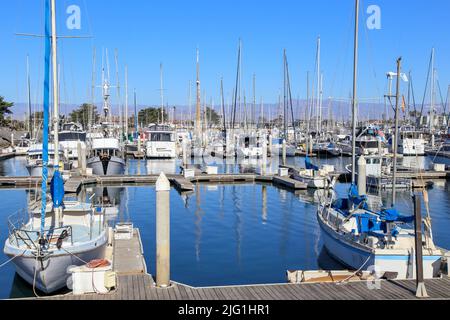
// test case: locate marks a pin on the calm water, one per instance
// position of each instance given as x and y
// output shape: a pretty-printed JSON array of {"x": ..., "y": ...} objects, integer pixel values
[{"x": 225, "y": 234}]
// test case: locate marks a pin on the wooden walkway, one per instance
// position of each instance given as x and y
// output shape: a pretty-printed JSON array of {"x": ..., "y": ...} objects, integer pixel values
[
  {"x": 134, "y": 283},
  {"x": 142, "y": 287}
]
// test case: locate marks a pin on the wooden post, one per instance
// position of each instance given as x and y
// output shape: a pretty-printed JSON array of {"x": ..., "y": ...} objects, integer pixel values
[
  {"x": 162, "y": 231},
  {"x": 421, "y": 291}
]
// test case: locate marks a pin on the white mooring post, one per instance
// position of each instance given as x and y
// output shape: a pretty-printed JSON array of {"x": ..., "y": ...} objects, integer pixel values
[
  {"x": 162, "y": 231},
  {"x": 184, "y": 151},
  {"x": 362, "y": 176},
  {"x": 284, "y": 152}
]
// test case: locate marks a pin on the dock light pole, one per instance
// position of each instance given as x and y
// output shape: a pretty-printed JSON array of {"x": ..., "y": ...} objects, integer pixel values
[
  {"x": 162, "y": 231},
  {"x": 421, "y": 291}
]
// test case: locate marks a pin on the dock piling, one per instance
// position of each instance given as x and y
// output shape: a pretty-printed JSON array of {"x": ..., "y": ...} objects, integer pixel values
[
  {"x": 421, "y": 291},
  {"x": 162, "y": 231},
  {"x": 362, "y": 176},
  {"x": 284, "y": 152}
]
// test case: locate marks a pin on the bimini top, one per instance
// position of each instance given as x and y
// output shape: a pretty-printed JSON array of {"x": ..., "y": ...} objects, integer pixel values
[{"x": 105, "y": 143}]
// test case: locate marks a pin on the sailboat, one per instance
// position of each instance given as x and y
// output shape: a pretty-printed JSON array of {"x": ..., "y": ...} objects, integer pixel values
[
  {"x": 360, "y": 237},
  {"x": 45, "y": 240},
  {"x": 106, "y": 157}
]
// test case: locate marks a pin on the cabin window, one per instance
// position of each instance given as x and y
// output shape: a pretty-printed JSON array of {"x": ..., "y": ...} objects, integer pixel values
[{"x": 161, "y": 137}]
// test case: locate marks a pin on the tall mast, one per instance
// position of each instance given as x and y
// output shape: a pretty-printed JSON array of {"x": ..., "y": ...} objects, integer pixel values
[
  {"x": 30, "y": 124},
  {"x": 397, "y": 102},
  {"x": 198, "y": 120},
  {"x": 284, "y": 95},
  {"x": 318, "y": 111},
  {"x": 190, "y": 104},
  {"x": 432, "y": 92},
  {"x": 55, "y": 87},
  {"x": 162, "y": 93},
  {"x": 126, "y": 102},
  {"x": 254, "y": 100},
  {"x": 354, "y": 101}
]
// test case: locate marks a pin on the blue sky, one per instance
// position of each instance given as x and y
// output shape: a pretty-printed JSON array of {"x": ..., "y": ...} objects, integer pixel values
[{"x": 147, "y": 33}]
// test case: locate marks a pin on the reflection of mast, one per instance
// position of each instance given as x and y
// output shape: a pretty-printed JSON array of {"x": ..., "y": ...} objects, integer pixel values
[
  {"x": 264, "y": 204},
  {"x": 198, "y": 222},
  {"x": 237, "y": 211}
]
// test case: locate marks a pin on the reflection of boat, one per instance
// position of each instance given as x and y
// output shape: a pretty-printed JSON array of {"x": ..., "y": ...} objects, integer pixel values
[{"x": 168, "y": 166}]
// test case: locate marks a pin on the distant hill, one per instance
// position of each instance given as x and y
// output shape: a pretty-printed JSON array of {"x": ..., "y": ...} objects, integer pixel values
[{"x": 341, "y": 110}]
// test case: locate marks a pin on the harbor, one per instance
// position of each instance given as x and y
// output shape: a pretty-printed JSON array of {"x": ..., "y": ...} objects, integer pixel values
[{"x": 222, "y": 174}]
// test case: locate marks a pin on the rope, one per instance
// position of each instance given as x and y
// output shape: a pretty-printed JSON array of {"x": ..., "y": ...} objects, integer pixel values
[
  {"x": 357, "y": 271},
  {"x": 6, "y": 262}
]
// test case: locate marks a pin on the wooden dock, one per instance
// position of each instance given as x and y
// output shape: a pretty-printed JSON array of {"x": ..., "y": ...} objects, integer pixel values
[
  {"x": 133, "y": 283},
  {"x": 289, "y": 183},
  {"x": 7, "y": 155}
]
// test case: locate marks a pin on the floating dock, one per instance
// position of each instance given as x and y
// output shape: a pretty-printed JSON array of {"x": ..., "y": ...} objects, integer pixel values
[{"x": 134, "y": 283}]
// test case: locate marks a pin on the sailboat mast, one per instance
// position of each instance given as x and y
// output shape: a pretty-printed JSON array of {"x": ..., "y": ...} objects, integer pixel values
[
  {"x": 162, "y": 93},
  {"x": 318, "y": 87},
  {"x": 197, "y": 107},
  {"x": 354, "y": 101},
  {"x": 30, "y": 123},
  {"x": 394, "y": 182},
  {"x": 55, "y": 87},
  {"x": 126, "y": 103}
]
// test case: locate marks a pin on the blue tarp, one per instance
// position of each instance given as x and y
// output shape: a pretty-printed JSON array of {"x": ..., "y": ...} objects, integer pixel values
[{"x": 309, "y": 165}]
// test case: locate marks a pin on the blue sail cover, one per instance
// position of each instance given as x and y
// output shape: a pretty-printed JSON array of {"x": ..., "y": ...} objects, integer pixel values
[
  {"x": 356, "y": 199},
  {"x": 57, "y": 189},
  {"x": 309, "y": 165},
  {"x": 46, "y": 126}
]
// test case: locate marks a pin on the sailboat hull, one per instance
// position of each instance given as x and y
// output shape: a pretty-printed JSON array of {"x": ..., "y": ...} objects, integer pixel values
[
  {"x": 355, "y": 256},
  {"x": 114, "y": 166},
  {"x": 51, "y": 274}
]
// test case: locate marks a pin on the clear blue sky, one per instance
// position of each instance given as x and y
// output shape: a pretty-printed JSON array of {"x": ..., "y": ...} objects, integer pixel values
[{"x": 149, "y": 32}]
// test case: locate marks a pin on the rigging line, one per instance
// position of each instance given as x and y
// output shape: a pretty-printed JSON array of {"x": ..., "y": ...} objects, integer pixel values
[
  {"x": 370, "y": 51},
  {"x": 426, "y": 85},
  {"x": 440, "y": 95}
]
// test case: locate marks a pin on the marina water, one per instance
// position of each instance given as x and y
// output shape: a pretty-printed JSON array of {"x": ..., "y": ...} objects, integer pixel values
[{"x": 224, "y": 234}]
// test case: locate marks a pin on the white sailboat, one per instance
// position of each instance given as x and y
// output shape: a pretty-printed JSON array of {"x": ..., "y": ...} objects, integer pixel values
[
  {"x": 45, "y": 241},
  {"x": 362, "y": 238}
]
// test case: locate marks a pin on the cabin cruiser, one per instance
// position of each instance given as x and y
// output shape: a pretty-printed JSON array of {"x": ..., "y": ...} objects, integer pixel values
[
  {"x": 34, "y": 159},
  {"x": 327, "y": 149},
  {"x": 411, "y": 142},
  {"x": 70, "y": 136},
  {"x": 160, "y": 142},
  {"x": 21, "y": 148}
]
